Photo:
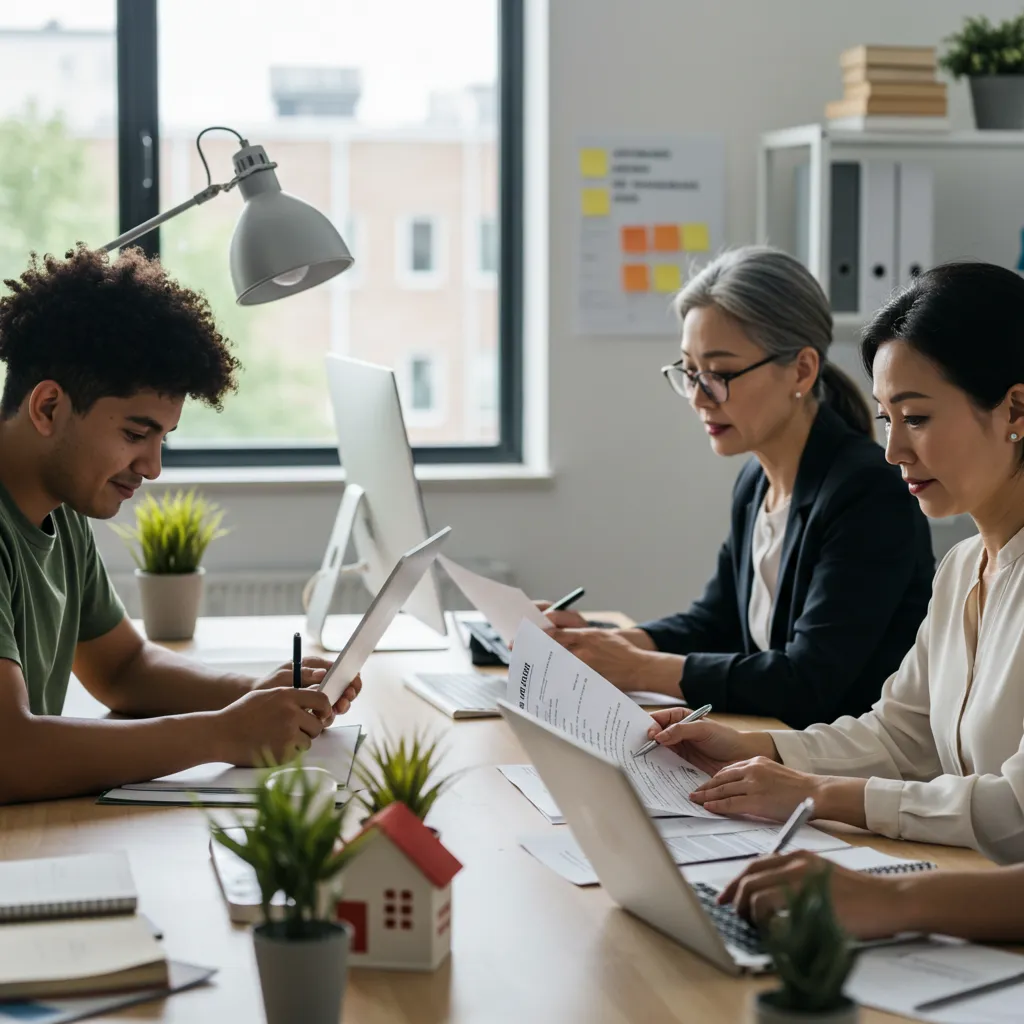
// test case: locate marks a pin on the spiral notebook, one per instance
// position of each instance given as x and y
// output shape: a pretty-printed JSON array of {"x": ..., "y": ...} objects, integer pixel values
[{"x": 84, "y": 885}]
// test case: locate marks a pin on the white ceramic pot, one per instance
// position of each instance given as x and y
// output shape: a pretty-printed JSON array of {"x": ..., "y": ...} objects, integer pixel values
[
  {"x": 765, "y": 1011},
  {"x": 170, "y": 603}
]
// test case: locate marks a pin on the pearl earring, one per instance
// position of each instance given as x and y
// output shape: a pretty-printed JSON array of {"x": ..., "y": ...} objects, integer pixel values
[
  {"x": 798, "y": 395},
  {"x": 1013, "y": 437}
]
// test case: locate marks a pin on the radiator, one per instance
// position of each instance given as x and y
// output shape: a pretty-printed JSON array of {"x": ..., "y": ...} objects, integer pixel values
[{"x": 279, "y": 592}]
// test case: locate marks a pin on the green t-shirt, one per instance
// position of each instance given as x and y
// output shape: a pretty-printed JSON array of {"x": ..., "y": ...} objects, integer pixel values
[{"x": 54, "y": 593}]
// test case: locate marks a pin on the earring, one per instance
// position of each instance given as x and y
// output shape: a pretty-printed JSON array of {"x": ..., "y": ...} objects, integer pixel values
[
  {"x": 800, "y": 395},
  {"x": 1013, "y": 437}
]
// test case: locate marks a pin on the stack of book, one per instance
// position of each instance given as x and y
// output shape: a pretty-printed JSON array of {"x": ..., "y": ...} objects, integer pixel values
[{"x": 889, "y": 87}]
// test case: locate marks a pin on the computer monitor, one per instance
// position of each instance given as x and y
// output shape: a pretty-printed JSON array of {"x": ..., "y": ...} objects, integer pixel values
[{"x": 381, "y": 511}]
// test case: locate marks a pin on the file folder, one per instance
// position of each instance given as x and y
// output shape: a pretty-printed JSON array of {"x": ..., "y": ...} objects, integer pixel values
[
  {"x": 915, "y": 245},
  {"x": 877, "y": 234}
]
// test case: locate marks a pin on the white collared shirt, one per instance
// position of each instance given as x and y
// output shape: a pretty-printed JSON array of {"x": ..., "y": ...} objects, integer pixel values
[
  {"x": 942, "y": 749},
  {"x": 766, "y": 554}
]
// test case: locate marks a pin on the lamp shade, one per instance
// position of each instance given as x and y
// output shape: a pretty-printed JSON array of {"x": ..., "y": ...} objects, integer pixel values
[{"x": 281, "y": 245}]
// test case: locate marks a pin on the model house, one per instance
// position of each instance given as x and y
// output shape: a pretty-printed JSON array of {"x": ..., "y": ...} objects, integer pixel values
[{"x": 397, "y": 894}]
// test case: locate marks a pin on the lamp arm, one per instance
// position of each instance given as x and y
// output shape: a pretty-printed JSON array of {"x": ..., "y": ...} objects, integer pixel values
[{"x": 140, "y": 229}]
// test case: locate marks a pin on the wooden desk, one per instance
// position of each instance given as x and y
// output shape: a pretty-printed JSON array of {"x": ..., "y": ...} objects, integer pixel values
[{"x": 527, "y": 946}]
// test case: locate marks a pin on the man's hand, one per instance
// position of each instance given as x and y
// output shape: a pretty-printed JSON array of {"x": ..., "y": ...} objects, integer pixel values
[
  {"x": 562, "y": 619},
  {"x": 605, "y": 651},
  {"x": 273, "y": 722},
  {"x": 314, "y": 669}
]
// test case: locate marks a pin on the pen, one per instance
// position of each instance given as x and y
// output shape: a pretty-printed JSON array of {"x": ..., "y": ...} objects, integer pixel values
[
  {"x": 297, "y": 661},
  {"x": 694, "y": 716},
  {"x": 563, "y": 602},
  {"x": 801, "y": 815}
]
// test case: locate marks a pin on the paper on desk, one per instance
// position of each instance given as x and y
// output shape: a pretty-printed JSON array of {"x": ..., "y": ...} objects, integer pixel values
[
  {"x": 334, "y": 749},
  {"x": 503, "y": 606},
  {"x": 525, "y": 778},
  {"x": 689, "y": 842},
  {"x": 551, "y": 683},
  {"x": 901, "y": 978}
]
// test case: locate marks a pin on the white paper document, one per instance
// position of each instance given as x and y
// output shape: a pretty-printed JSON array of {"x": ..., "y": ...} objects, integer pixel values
[
  {"x": 689, "y": 841},
  {"x": 334, "y": 749},
  {"x": 525, "y": 778},
  {"x": 503, "y": 606},
  {"x": 551, "y": 683},
  {"x": 906, "y": 978}
]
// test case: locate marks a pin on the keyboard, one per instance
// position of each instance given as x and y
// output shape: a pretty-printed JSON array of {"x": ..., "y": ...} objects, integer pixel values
[
  {"x": 733, "y": 928},
  {"x": 460, "y": 694}
]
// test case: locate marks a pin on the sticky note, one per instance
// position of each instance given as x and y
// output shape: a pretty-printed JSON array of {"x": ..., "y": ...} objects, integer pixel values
[
  {"x": 635, "y": 277},
  {"x": 634, "y": 239},
  {"x": 596, "y": 202},
  {"x": 666, "y": 238},
  {"x": 667, "y": 277},
  {"x": 695, "y": 238},
  {"x": 594, "y": 163}
]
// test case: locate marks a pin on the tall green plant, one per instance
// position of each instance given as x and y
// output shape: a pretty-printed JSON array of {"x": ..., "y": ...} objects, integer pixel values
[
  {"x": 401, "y": 772},
  {"x": 294, "y": 846},
  {"x": 171, "y": 535},
  {"x": 811, "y": 952},
  {"x": 981, "y": 48}
]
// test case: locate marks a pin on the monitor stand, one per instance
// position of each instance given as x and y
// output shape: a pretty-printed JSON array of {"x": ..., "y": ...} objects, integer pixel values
[{"x": 332, "y": 632}]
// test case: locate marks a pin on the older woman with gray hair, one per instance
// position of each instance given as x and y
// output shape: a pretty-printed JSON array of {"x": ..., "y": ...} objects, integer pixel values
[{"x": 826, "y": 573}]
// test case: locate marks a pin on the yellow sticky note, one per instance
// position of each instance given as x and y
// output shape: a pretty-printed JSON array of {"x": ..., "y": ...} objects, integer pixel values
[
  {"x": 596, "y": 202},
  {"x": 594, "y": 163},
  {"x": 695, "y": 237},
  {"x": 667, "y": 277}
]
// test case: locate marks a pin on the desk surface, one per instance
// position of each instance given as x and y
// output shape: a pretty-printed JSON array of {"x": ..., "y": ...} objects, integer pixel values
[{"x": 527, "y": 946}]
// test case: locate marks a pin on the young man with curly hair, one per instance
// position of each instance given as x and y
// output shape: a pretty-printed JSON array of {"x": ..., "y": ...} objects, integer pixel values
[{"x": 101, "y": 356}]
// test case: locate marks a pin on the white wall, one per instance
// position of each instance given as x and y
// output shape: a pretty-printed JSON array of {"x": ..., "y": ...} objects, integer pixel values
[{"x": 638, "y": 505}]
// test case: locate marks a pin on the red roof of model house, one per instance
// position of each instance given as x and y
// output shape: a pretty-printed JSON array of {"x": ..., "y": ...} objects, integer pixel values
[{"x": 416, "y": 841}]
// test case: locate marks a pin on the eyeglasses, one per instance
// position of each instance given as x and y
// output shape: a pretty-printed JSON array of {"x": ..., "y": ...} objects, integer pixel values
[{"x": 714, "y": 385}]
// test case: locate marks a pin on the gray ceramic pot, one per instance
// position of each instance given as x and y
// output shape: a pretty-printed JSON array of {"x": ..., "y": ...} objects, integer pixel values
[
  {"x": 998, "y": 101},
  {"x": 170, "y": 603},
  {"x": 303, "y": 979},
  {"x": 767, "y": 1012}
]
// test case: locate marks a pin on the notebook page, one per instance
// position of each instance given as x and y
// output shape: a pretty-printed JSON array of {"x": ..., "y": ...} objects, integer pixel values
[{"x": 46, "y": 886}]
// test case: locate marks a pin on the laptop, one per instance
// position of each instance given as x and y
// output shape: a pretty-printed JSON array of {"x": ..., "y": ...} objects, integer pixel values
[
  {"x": 386, "y": 604},
  {"x": 627, "y": 852}
]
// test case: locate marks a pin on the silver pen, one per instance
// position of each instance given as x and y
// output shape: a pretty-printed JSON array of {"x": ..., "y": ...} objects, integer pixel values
[
  {"x": 801, "y": 815},
  {"x": 692, "y": 717}
]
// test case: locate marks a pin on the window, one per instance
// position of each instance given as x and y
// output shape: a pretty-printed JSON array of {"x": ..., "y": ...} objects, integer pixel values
[
  {"x": 487, "y": 261},
  {"x": 415, "y": 163}
]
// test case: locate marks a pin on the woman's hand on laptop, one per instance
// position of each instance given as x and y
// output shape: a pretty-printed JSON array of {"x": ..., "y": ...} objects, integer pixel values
[
  {"x": 708, "y": 745},
  {"x": 867, "y": 906},
  {"x": 314, "y": 669}
]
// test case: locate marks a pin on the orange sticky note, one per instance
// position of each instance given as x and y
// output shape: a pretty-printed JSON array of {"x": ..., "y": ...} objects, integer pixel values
[
  {"x": 695, "y": 238},
  {"x": 595, "y": 202},
  {"x": 666, "y": 238},
  {"x": 635, "y": 277},
  {"x": 667, "y": 277},
  {"x": 634, "y": 239}
]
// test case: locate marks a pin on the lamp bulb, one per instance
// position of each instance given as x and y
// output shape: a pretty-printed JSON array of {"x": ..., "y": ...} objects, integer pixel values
[{"x": 290, "y": 278}]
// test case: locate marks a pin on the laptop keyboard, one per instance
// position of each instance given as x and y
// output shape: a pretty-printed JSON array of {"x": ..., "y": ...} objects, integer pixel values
[
  {"x": 733, "y": 928},
  {"x": 472, "y": 691}
]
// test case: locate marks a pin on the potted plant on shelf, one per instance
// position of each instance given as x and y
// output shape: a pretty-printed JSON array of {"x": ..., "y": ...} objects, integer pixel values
[
  {"x": 402, "y": 772},
  {"x": 167, "y": 542},
  {"x": 294, "y": 847},
  {"x": 812, "y": 957},
  {"x": 992, "y": 59}
]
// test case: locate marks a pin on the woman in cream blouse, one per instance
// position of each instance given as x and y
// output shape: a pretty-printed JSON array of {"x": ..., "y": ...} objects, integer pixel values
[{"x": 939, "y": 758}]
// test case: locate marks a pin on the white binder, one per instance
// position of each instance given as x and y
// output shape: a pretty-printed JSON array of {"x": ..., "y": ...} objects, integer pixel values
[
  {"x": 915, "y": 248},
  {"x": 877, "y": 233}
]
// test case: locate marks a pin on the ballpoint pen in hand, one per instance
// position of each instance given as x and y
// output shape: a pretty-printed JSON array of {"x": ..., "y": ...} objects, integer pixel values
[
  {"x": 801, "y": 815},
  {"x": 297, "y": 661},
  {"x": 692, "y": 717}
]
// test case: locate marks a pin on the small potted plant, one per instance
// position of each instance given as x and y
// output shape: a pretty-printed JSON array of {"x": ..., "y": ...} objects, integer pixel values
[
  {"x": 992, "y": 59},
  {"x": 402, "y": 772},
  {"x": 167, "y": 542},
  {"x": 812, "y": 957},
  {"x": 294, "y": 847}
]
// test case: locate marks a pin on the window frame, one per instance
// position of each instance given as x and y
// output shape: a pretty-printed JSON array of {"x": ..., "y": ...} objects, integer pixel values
[
  {"x": 138, "y": 116},
  {"x": 406, "y": 276}
]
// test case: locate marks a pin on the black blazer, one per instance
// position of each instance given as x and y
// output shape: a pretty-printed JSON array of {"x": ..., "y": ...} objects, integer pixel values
[{"x": 853, "y": 587}]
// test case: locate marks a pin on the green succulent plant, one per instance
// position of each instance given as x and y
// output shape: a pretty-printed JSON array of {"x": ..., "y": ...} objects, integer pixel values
[
  {"x": 981, "y": 48},
  {"x": 402, "y": 772},
  {"x": 811, "y": 952},
  {"x": 171, "y": 535},
  {"x": 294, "y": 846}
]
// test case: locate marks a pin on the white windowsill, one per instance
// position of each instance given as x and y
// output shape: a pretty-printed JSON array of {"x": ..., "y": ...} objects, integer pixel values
[{"x": 503, "y": 474}]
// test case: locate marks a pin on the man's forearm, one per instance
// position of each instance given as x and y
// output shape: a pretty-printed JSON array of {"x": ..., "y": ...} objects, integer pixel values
[
  {"x": 48, "y": 757},
  {"x": 160, "y": 682},
  {"x": 660, "y": 673}
]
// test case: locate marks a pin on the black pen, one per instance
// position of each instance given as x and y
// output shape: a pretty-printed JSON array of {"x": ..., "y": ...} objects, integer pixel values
[
  {"x": 297, "y": 661},
  {"x": 563, "y": 602}
]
